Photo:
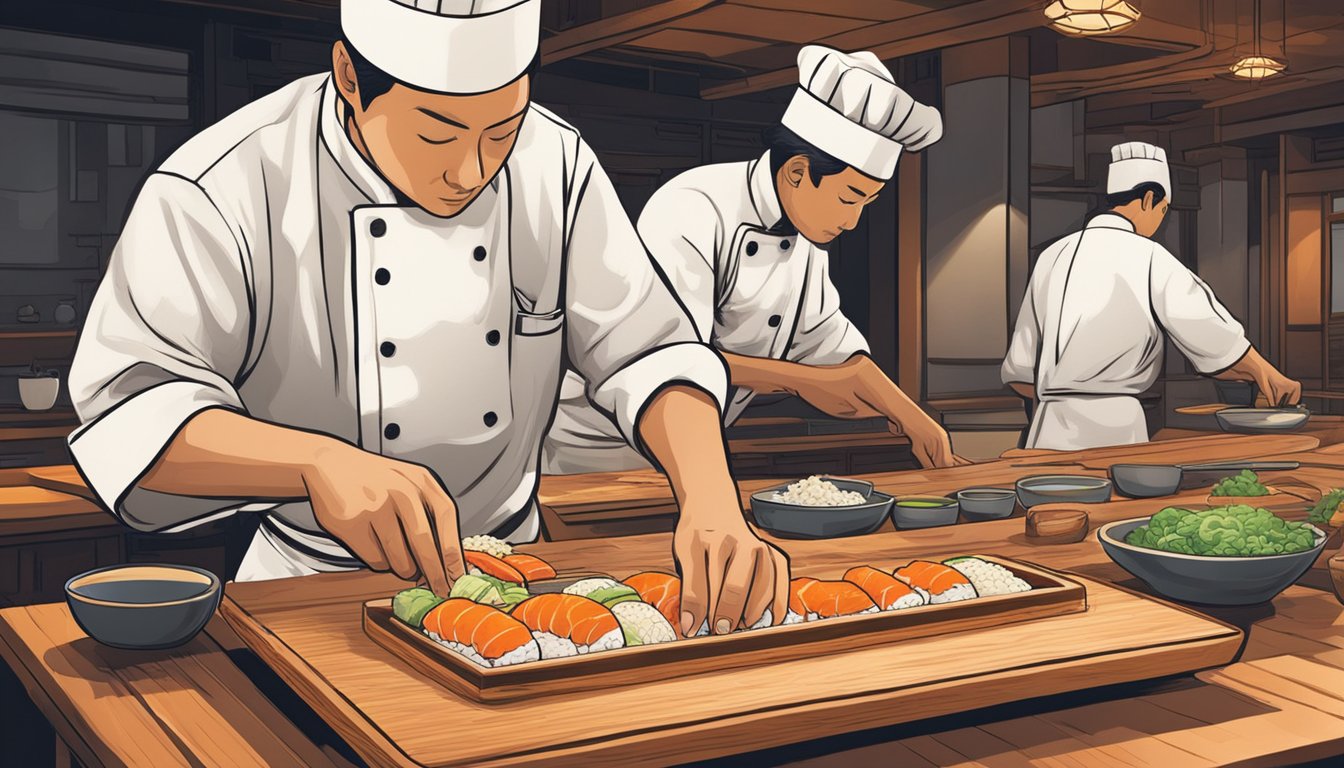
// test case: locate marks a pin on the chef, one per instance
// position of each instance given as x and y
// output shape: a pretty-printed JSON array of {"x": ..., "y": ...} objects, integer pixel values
[
  {"x": 1101, "y": 305},
  {"x": 344, "y": 307},
  {"x": 744, "y": 246}
]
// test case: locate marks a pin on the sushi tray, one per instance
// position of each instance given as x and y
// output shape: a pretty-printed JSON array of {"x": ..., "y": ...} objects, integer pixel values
[{"x": 1050, "y": 594}]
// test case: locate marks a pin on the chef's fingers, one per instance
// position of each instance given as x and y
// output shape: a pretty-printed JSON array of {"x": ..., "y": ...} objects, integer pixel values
[
  {"x": 958, "y": 461},
  {"x": 393, "y": 542},
  {"x": 443, "y": 519},
  {"x": 735, "y": 586},
  {"x": 780, "y": 607},
  {"x": 363, "y": 544},
  {"x": 694, "y": 589},
  {"x": 762, "y": 587},
  {"x": 923, "y": 456},
  {"x": 414, "y": 513}
]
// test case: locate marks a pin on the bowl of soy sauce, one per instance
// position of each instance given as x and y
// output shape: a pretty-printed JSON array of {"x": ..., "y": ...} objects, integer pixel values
[{"x": 148, "y": 606}]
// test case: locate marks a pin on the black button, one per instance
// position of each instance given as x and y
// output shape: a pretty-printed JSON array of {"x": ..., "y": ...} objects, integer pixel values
[
  {"x": 392, "y": 431},
  {"x": 492, "y": 338},
  {"x": 774, "y": 321},
  {"x": 784, "y": 245},
  {"x": 378, "y": 228},
  {"x": 387, "y": 349},
  {"x": 382, "y": 276},
  {"x": 479, "y": 253},
  {"x": 490, "y": 419},
  {"x": 751, "y": 248}
]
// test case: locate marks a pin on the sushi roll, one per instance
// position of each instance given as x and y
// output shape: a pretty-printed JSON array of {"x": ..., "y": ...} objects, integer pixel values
[
  {"x": 814, "y": 600},
  {"x": 662, "y": 591},
  {"x": 487, "y": 544},
  {"x": 480, "y": 563},
  {"x": 988, "y": 578},
  {"x": 531, "y": 567},
  {"x": 486, "y": 635},
  {"x": 943, "y": 583},
  {"x": 584, "y": 623},
  {"x": 642, "y": 624},
  {"x": 889, "y": 592}
]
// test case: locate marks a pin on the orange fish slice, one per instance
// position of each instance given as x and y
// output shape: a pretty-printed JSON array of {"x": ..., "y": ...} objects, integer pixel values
[
  {"x": 662, "y": 591},
  {"x": 887, "y": 591},
  {"x": 943, "y": 583},
  {"x": 579, "y": 619},
  {"x": 828, "y": 599},
  {"x": 531, "y": 567},
  {"x": 492, "y": 566},
  {"x": 487, "y": 630}
]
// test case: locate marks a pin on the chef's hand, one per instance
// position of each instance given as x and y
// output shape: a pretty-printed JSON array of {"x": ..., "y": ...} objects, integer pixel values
[
  {"x": 1276, "y": 388},
  {"x": 728, "y": 575},
  {"x": 391, "y": 514},
  {"x": 929, "y": 441}
]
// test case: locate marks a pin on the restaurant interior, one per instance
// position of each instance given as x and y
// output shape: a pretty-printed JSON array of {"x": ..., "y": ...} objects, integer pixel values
[{"x": 1245, "y": 96}]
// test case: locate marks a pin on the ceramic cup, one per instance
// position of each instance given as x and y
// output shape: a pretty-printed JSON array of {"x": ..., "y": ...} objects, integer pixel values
[{"x": 38, "y": 393}]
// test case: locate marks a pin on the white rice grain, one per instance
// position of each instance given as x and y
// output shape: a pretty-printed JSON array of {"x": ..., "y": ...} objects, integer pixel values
[{"x": 816, "y": 492}]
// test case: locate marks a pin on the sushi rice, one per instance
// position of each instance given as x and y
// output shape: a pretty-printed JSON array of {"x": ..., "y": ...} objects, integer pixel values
[
  {"x": 642, "y": 624},
  {"x": 989, "y": 578},
  {"x": 487, "y": 544},
  {"x": 520, "y": 655},
  {"x": 955, "y": 594},
  {"x": 915, "y": 599},
  {"x": 586, "y": 587},
  {"x": 554, "y": 646}
]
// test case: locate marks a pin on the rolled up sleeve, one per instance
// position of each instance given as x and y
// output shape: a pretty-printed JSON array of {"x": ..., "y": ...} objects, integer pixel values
[
  {"x": 627, "y": 334},
  {"x": 1201, "y": 327},
  {"x": 167, "y": 334}
]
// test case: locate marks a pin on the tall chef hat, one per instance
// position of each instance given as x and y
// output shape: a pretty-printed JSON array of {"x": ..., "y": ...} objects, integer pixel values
[
  {"x": 1135, "y": 163},
  {"x": 449, "y": 46},
  {"x": 849, "y": 106}
]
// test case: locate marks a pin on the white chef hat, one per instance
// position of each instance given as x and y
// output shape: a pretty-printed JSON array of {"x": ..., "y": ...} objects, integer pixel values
[
  {"x": 450, "y": 46},
  {"x": 1135, "y": 163},
  {"x": 849, "y": 106}
]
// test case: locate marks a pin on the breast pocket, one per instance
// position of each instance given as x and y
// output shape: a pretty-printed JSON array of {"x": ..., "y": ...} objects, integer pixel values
[{"x": 533, "y": 324}]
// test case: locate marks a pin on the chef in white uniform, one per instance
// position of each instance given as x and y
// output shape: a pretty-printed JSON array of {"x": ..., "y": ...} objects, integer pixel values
[
  {"x": 1098, "y": 312},
  {"x": 744, "y": 246},
  {"x": 346, "y": 305}
]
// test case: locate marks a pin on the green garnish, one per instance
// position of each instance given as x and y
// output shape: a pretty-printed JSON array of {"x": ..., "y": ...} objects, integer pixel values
[
  {"x": 488, "y": 590},
  {"x": 1247, "y": 483},
  {"x": 610, "y": 596},
  {"x": 1326, "y": 507},
  {"x": 1234, "y": 531},
  {"x": 411, "y": 605}
]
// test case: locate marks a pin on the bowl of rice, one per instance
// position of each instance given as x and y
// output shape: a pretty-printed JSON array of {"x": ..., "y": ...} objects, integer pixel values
[{"x": 820, "y": 507}]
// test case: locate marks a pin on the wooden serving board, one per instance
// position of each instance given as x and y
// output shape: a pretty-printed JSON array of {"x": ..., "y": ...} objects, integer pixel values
[
  {"x": 1052, "y": 594},
  {"x": 308, "y": 630}
]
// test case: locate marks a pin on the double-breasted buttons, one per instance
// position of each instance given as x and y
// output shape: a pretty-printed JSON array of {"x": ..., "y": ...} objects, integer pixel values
[
  {"x": 392, "y": 431},
  {"x": 490, "y": 419},
  {"x": 382, "y": 276},
  {"x": 775, "y": 320},
  {"x": 784, "y": 244},
  {"x": 377, "y": 227},
  {"x": 492, "y": 338},
  {"x": 479, "y": 254},
  {"x": 752, "y": 247},
  {"x": 387, "y": 349}
]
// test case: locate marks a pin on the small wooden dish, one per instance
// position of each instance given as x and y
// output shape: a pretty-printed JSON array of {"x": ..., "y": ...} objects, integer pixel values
[{"x": 1056, "y": 526}]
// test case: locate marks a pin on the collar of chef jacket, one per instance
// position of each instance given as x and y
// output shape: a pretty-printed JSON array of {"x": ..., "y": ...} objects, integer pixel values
[
  {"x": 1110, "y": 221},
  {"x": 764, "y": 197}
]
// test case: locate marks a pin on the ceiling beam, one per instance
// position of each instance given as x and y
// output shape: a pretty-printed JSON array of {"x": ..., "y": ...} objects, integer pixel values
[
  {"x": 615, "y": 30},
  {"x": 1156, "y": 34},
  {"x": 965, "y": 23}
]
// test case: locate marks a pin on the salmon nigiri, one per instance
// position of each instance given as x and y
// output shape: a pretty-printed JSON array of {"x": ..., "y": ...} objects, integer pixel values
[
  {"x": 813, "y": 599},
  {"x": 560, "y": 622},
  {"x": 889, "y": 592},
  {"x": 662, "y": 591},
  {"x": 531, "y": 567},
  {"x": 943, "y": 583},
  {"x": 481, "y": 562},
  {"x": 486, "y": 635}
]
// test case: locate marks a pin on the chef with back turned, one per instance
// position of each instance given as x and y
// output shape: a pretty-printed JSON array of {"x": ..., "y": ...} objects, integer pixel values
[
  {"x": 743, "y": 244},
  {"x": 1098, "y": 312},
  {"x": 345, "y": 307}
]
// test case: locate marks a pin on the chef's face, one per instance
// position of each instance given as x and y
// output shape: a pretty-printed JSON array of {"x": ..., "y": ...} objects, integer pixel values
[
  {"x": 438, "y": 150},
  {"x": 822, "y": 210}
]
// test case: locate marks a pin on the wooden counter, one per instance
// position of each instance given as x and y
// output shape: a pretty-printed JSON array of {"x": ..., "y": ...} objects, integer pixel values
[{"x": 1279, "y": 704}]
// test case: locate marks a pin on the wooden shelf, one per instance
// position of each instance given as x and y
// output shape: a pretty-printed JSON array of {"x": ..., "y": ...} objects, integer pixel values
[
  {"x": 37, "y": 335},
  {"x": 23, "y": 347}
]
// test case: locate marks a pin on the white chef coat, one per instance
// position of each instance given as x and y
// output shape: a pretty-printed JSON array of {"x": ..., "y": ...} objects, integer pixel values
[
  {"x": 1092, "y": 332},
  {"x": 752, "y": 289},
  {"x": 268, "y": 269}
]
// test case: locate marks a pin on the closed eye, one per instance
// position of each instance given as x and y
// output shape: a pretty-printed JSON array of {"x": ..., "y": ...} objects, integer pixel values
[
  {"x": 504, "y": 136},
  {"x": 843, "y": 201},
  {"x": 428, "y": 140}
]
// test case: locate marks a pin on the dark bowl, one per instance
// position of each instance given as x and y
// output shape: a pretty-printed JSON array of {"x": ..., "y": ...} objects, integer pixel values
[
  {"x": 797, "y": 521},
  {"x": 1203, "y": 579},
  {"x": 1050, "y": 489},
  {"x": 987, "y": 503},
  {"x": 925, "y": 517},
  {"x": 1256, "y": 421},
  {"x": 1146, "y": 481},
  {"x": 143, "y": 606}
]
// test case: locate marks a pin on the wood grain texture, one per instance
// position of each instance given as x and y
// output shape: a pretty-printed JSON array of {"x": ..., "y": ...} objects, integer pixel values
[
  {"x": 62, "y": 478},
  {"x": 1053, "y": 594},
  {"x": 26, "y": 509},
  {"x": 188, "y": 706}
]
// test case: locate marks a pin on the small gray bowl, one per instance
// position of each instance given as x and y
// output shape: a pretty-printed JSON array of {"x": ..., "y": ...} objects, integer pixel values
[
  {"x": 1146, "y": 481},
  {"x": 796, "y": 521},
  {"x": 907, "y": 517},
  {"x": 1050, "y": 489},
  {"x": 143, "y": 606},
  {"x": 987, "y": 503},
  {"x": 1208, "y": 580},
  {"x": 1262, "y": 420}
]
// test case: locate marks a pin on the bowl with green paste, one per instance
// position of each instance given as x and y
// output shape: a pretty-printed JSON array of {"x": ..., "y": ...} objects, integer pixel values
[
  {"x": 924, "y": 511},
  {"x": 1236, "y": 554}
]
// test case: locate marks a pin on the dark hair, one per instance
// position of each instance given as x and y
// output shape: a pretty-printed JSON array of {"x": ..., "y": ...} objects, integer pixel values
[
  {"x": 785, "y": 144},
  {"x": 1125, "y": 198},
  {"x": 374, "y": 82}
]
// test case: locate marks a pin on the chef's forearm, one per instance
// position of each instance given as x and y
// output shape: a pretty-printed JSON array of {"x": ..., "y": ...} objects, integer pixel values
[
  {"x": 1251, "y": 367},
  {"x": 223, "y": 453},
  {"x": 763, "y": 375},
  {"x": 681, "y": 427}
]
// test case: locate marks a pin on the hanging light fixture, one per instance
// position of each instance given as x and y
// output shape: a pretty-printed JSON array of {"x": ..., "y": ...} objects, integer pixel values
[
  {"x": 1257, "y": 66},
  {"x": 1091, "y": 17}
]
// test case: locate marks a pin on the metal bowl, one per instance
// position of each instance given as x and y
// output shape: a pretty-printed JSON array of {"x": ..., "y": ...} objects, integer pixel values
[
  {"x": 905, "y": 517},
  {"x": 1146, "y": 481},
  {"x": 143, "y": 606},
  {"x": 1262, "y": 420},
  {"x": 987, "y": 503},
  {"x": 1049, "y": 489},
  {"x": 796, "y": 521},
  {"x": 1203, "y": 579}
]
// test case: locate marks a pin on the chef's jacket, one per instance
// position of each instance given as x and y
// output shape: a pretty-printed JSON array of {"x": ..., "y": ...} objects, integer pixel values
[
  {"x": 1092, "y": 332},
  {"x": 752, "y": 285},
  {"x": 267, "y": 268}
]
